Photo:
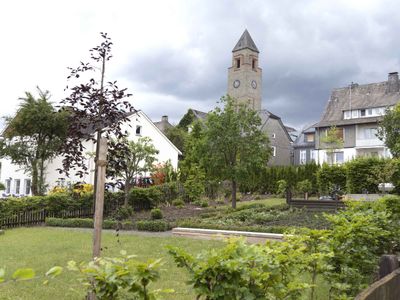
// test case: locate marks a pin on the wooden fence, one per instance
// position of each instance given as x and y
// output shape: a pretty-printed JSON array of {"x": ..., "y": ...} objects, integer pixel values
[
  {"x": 38, "y": 217},
  {"x": 314, "y": 204}
]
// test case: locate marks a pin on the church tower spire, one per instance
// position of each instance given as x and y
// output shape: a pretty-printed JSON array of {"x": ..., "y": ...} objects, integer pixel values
[{"x": 244, "y": 76}]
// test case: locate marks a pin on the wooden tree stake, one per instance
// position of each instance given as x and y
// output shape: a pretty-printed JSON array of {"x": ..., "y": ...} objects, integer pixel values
[{"x": 99, "y": 207}]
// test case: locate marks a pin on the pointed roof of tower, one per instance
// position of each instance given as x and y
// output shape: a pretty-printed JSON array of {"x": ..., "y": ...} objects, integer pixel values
[{"x": 244, "y": 42}]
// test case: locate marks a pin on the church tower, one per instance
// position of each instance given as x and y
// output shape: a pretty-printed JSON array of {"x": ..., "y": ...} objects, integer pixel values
[{"x": 244, "y": 76}]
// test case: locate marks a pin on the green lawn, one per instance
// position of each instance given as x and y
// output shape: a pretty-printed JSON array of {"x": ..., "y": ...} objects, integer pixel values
[{"x": 41, "y": 248}]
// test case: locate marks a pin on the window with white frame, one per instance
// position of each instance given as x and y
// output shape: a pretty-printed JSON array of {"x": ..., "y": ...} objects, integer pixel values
[
  {"x": 367, "y": 133},
  {"x": 273, "y": 151},
  {"x": 17, "y": 183},
  {"x": 335, "y": 157},
  {"x": 8, "y": 186},
  {"x": 27, "y": 186},
  {"x": 303, "y": 157},
  {"x": 313, "y": 155}
]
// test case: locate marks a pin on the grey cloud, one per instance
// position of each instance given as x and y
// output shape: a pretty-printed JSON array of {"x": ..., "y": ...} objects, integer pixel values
[{"x": 307, "y": 49}]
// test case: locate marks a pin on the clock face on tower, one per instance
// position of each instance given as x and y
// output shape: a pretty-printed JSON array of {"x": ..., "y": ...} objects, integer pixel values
[
  {"x": 253, "y": 84},
  {"x": 236, "y": 83}
]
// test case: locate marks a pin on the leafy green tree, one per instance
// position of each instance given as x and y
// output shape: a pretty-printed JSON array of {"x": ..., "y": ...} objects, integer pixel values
[
  {"x": 194, "y": 184},
  {"x": 34, "y": 136},
  {"x": 233, "y": 146},
  {"x": 139, "y": 159},
  {"x": 389, "y": 130},
  {"x": 332, "y": 141},
  {"x": 177, "y": 136},
  {"x": 186, "y": 120},
  {"x": 304, "y": 187}
]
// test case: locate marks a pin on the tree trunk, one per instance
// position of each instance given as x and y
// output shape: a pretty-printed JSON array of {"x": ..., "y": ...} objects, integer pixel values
[
  {"x": 41, "y": 183},
  {"x": 35, "y": 175},
  {"x": 126, "y": 191},
  {"x": 306, "y": 195},
  {"x": 233, "y": 193}
]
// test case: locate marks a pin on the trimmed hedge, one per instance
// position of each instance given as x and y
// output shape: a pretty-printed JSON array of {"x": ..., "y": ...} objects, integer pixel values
[
  {"x": 330, "y": 175},
  {"x": 152, "y": 225},
  {"x": 156, "y": 225},
  {"x": 88, "y": 223}
]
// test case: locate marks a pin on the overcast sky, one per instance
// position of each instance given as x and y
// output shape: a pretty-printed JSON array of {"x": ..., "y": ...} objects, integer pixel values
[{"x": 174, "y": 55}]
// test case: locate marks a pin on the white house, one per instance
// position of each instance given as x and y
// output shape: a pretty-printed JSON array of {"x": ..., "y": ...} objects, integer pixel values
[{"x": 18, "y": 182}]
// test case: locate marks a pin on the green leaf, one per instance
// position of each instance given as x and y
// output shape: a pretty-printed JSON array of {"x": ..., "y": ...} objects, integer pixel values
[
  {"x": 2, "y": 275},
  {"x": 23, "y": 274},
  {"x": 54, "y": 271}
]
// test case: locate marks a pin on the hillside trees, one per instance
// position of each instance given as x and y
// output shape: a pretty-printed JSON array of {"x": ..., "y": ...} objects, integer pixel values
[{"x": 34, "y": 136}]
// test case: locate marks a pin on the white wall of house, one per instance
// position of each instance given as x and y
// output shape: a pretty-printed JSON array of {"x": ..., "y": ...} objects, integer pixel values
[{"x": 167, "y": 152}]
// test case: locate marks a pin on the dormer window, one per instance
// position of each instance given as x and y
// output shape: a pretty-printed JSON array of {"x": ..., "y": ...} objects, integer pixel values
[{"x": 237, "y": 61}]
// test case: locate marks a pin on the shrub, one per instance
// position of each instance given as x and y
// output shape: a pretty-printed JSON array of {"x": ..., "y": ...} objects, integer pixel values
[
  {"x": 194, "y": 184},
  {"x": 87, "y": 223},
  {"x": 204, "y": 203},
  {"x": 122, "y": 213},
  {"x": 118, "y": 278},
  {"x": 144, "y": 198},
  {"x": 156, "y": 214},
  {"x": 329, "y": 176},
  {"x": 178, "y": 203},
  {"x": 361, "y": 174},
  {"x": 153, "y": 225},
  {"x": 304, "y": 187},
  {"x": 78, "y": 223},
  {"x": 282, "y": 187},
  {"x": 242, "y": 271}
]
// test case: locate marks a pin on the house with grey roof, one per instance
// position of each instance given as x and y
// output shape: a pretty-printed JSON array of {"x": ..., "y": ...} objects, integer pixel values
[
  {"x": 164, "y": 124},
  {"x": 304, "y": 147},
  {"x": 356, "y": 111}
]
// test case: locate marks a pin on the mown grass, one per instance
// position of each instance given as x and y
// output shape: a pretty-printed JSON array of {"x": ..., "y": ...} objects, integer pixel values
[{"x": 42, "y": 248}]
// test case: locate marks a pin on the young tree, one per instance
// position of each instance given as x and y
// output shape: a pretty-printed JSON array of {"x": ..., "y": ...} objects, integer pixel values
[
  {"x": 34, "y": 136},
  {"x": 234, "y": 145},
  {"x": 97, "y": 108},
  {"x": 389, "y": 130},
  {"x": 333, "y": 141},
  {"x": 139, "y": 159}
]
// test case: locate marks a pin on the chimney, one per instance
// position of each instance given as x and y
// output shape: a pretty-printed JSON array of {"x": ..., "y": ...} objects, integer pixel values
[
  {"x": 393, "y": 82},
  {"x": 164, "y": 118}
]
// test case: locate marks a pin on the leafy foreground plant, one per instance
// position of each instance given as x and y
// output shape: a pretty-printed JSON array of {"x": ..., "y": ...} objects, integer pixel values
[
  {"x": 29, "y": 274},
  {"x": 120, "y": 278},
  {"x": 241, "y": 271}
]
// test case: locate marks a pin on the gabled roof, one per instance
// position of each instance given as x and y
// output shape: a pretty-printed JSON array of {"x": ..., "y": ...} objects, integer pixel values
[
  {"x": 141, "y": 113},
  {"x": 356, "y": 96},
  {"x": 245, "y": 42},
  {"x": 200, "y": 115},
  {"x": 265, "y": 115}
]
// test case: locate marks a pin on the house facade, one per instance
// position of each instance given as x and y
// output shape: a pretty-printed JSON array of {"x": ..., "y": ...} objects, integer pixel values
[
  {"x": 245, "y": 86},
  {"x": 304, "y": 147},
  {"x": 355, "y": 111},
  {"x": 18, "y": 182}
]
